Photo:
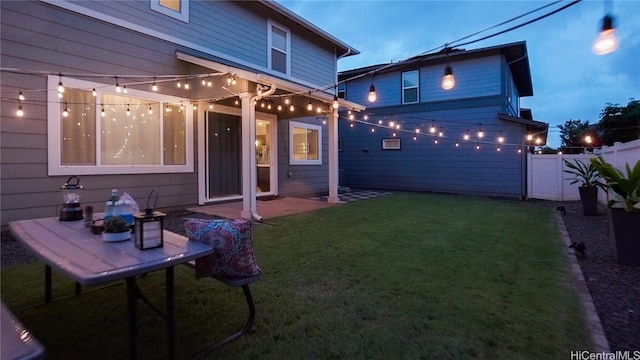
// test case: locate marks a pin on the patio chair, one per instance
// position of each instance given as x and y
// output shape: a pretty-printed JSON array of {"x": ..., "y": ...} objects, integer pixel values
[{"x": 232, "y": 262}]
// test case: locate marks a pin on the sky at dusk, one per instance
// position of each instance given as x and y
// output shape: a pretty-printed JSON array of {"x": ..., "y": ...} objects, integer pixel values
[{"x": 569, "y": 80}]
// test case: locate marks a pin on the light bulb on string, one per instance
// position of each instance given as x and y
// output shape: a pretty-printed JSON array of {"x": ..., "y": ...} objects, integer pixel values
[
  {"x": 124, "y": 89},
  {"x": 435, "y": 141},
  {"x": 60, "y": 86},
  {"x": 372, "y": 93},
  {"x": 20, "y": 96},
  {"x": 440, "y": 133},
  {"x": 292, "y": 108},
  {"x": 102, "y": 113},
  {"x": 336, "y": 104},
  {"x": 94, "y": 93},
  {"x": 466, "y": 135},
  {"x": 150, "y": 110},
  {"x": 128, "y": 111},
  {"x": 500, "y": 138},
  {"x": 287, "y": 101},
  {"x": 279, "y": 107},
  {"x": 310, "y": 106},
  {"x": 432, "y": 129},
  {"x": 204, "y": 82},
  {"x": 366, "y": 117},
  {"x": 195, "y": 106},
  {"x": 477, "y": 146},
  {"x": 373, "y": 130},
  {"x": 457, "y": 143},
  {"x": 448, "y": 81},
  {"x": 186, "y": 85},
  {"x": 480, "y": 132},
  {"x": 20, "y": 112},
  {"x": 118, "y": 88},
  {"x": 606, "y": 42},
  {"x": 211, "y": 105},
  {"x": 209, "y": 82},
  {"x": 415, "y": 137},
  {"x": 498, "y": 148},
  {"x": 154, "y": 86},
  {"x": 65, "y": 112}
]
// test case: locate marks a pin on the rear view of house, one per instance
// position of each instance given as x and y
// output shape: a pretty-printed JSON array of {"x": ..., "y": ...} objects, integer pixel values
[
  {"x": 203, "y": 101},
  {"x": 445, "y": 122}
]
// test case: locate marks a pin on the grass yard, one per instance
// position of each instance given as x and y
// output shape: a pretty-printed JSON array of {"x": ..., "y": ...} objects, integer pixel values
[{"x": 405, "y": 276}]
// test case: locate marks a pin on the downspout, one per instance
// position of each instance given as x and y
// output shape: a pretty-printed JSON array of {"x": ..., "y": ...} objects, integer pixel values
[{"x": 253, "y": 207}]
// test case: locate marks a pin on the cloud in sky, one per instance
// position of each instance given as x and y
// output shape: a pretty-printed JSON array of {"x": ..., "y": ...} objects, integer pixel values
[{"x": 569, "y": 80}]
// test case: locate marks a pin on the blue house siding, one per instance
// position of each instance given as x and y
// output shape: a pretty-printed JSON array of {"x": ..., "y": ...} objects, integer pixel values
[
  {"x": 298, "y": 180},
  {"x": 235, "y": 29},
  {"x": 422, "y": 165}
]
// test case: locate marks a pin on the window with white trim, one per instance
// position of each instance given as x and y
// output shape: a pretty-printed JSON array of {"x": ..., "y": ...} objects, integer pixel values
[
  {"x": 342, "y": 91},
  {"x": 305, "y": 142},
  {"x": 116, "y": 133},
  {"x": 279, "y": 39},
  {"x": 178, "y": 9},
  {"x": 410, "y": 87}
]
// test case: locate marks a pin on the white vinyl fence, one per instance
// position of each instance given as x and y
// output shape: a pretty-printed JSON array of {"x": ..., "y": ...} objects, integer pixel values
[{"x": 547, "y": 180}]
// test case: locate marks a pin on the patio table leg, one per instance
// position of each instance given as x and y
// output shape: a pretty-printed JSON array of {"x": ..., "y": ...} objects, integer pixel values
[
  {"x": 47, "y": 284},
  {"x": 132, "y": 308},
  {"x": 171, "y": 313}
]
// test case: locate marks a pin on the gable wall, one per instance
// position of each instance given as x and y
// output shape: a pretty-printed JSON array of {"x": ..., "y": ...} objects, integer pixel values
[{"x": 237, "y": 29}]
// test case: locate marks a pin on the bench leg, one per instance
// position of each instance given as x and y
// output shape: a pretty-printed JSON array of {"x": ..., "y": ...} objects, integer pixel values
[
  {"x": 47, "y": 284},
  {"x": 244, "y": 330}
]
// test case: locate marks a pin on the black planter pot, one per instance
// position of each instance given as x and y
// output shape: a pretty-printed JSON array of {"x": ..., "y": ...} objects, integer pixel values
[
  {"x": 589, "y": 199},
  {"x": 624, "y": 234}
]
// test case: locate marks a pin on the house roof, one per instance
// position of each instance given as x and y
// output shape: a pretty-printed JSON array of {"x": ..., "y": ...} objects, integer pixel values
[
  {"x": 515, "y": 55},
  {"x": 533, "y": 127},
  {"x": 343, "y": 49}
]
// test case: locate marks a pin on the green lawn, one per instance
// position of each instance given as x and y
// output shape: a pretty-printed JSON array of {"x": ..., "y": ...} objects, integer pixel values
[{"x": 410, "y": 276}]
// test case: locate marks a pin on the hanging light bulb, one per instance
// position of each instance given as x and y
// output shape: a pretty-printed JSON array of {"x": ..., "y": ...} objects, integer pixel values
[
  {"x": 279, "y": 107},
  {"x": 94, "y": 93},
  {"x": 154, "y": 87},
  {"x": 440, "y": 133},
  {"x": 606, "y": 42},
  {"x": 124, "y": 89},
  {"x": 372, "y": 93},
  {"x": 150, "y": 110},
  {"x": 233, "y": 80},
  {"x": 432, "y": 129},
  {"x": 237, "y": 102},
  {"x": 179, "y": 84},
  {"x": 292, "y": 108},
  {"x": 268, "y": 106},
  {"x": 477, "y": 146},
  {"x": 417, "y": 131},
  {"x": 102, "y": 113},
  {"x": 211, "y": 105},
  {"x": 287, "y": 101},
  {"x": 480, "y": 132},
  {"x": 448, "y": 81},
  {"x": 351, "y": 117},
  {"x": 186, "y": 85},
  {"x": 20, "y": 112},
  {"x": 128, "y": 111},
  {"x": 457, "y": 143},
  {"x": 209, "y": 83},
  {"x": 181, "y": 106},
  {"x": 500, "y": 138},
  {"x": 466, "y": 135},
  {"x": 60, "y": 86},
  {"x": 65, "y": 112},
  {"x": 498, "y": 148},
  {"x": 195, "y": 106},
  {"x": 319, "y": 109},
  {"x": 366, "y": 117},
  {"x": 336, "y": 104},
  {"x": 204, "y": 82},
  {"x": 310, "y": 106},
  {"x": 436, "y": 140},
  {"x": 415, "y": 137},
  {"x": 20, "y": 96},
  {"x": 118, "y": 88}
]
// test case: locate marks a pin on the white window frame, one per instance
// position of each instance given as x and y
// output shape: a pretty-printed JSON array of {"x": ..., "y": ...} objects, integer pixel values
[
  {"x": 54, "y": 131},
  {"x": 292, "y": 160},
  {"x": 182, "y": 15},
  {"x": 417, "y": 87},
  {"x": 270, "y": 25}
]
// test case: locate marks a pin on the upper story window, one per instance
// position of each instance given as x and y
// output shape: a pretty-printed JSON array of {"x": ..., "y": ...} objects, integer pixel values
[
  {"x": 178, "y": 9},
  {"x": 279, "y": 39},
  {"x": 342, "y": 91},
  {"x": 116, "y": 133},
  {"x": 305, "y": 142},
  {"x": 410, "y": 87}
]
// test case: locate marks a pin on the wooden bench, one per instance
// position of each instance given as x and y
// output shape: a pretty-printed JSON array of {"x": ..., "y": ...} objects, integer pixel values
[{"x": 17, "y": 342}]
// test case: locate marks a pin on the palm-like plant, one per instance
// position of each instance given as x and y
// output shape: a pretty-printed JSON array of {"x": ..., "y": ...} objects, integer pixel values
[
  {"x": 585, "y": 174},
  {"x": 626, "y": 187}
]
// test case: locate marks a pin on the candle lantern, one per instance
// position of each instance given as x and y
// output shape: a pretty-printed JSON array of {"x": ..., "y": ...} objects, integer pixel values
[
  {"x": 71, "y": 209},
  {"x": 149, "y": 227}
]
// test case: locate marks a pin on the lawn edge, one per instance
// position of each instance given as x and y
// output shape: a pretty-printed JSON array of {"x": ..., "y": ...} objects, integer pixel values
[{"x": 598, "y": 336}]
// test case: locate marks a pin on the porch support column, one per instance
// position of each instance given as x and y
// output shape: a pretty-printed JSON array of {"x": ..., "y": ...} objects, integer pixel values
[
  {"x": 333, "y": 157},
  {"x": 248, "y": 156}
]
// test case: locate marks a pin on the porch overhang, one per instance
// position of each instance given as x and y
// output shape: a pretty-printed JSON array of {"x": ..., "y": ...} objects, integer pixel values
[
  {"x": 285, "y": 85},
  {"x": 535, "y": 128}
]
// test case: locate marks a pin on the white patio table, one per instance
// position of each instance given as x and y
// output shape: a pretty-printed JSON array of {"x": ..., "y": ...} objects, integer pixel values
[{"x": 71, "y": 249}]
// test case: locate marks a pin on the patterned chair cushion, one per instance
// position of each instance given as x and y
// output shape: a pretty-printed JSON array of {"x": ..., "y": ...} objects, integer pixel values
[{"x": 232, "y": 247}]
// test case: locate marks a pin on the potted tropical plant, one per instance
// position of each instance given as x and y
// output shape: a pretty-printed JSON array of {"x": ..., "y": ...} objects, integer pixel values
[
  {"x": 624, "y": 214},
  {"x": 589, "y": 179}
]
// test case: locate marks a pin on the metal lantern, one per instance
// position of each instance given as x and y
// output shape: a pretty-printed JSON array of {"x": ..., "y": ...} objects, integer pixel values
[
  {"x": 71, "y": 209},
  {"x": 149, "y": 227}
]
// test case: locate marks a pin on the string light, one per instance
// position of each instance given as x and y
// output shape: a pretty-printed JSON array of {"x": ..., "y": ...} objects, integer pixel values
[
  {"x": 128, "y": 111},
  {"x": 432, "y": 129},
  {"x": 480, "y": 132},
  {"x": 448, "y": 81},
  {"x": 20, "y": 96},
  {"x": 118, "y": 88},
  {"x": 179, "y": 84},
  {"x": 466, "y": 135},
  {"x": 124, "y": 89},
  {"x": 279, "y": 107},
  {"x": 457, "y": 143},
  {"x": 372, "y": 93},
  {"x": 102, "y": 113},
  {"x": 336, "y": 104},
  {"x": 287, "y": 101},
  {"x": 606, "y": 42},
  {"x": 94, "y": 93},
  {"x": 211, "y": 104},
  {"x": 150, "y": 110},
  {"x": 65, "y": 112},
  {"x": 60, "y": 86},
  {"x": 310, "y": 106},
  {"x": 500, "y": 138},
  {"x": 20, "y": 112},
  {"x": 154, "y": 87},
  {"x": 477, "y": 146},
  {"x": 292, "y": 108}
]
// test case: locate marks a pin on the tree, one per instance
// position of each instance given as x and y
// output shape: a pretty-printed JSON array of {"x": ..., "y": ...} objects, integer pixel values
[
  {"x": 619, "y": 123},
  {"x": 575, "y": 135}
]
